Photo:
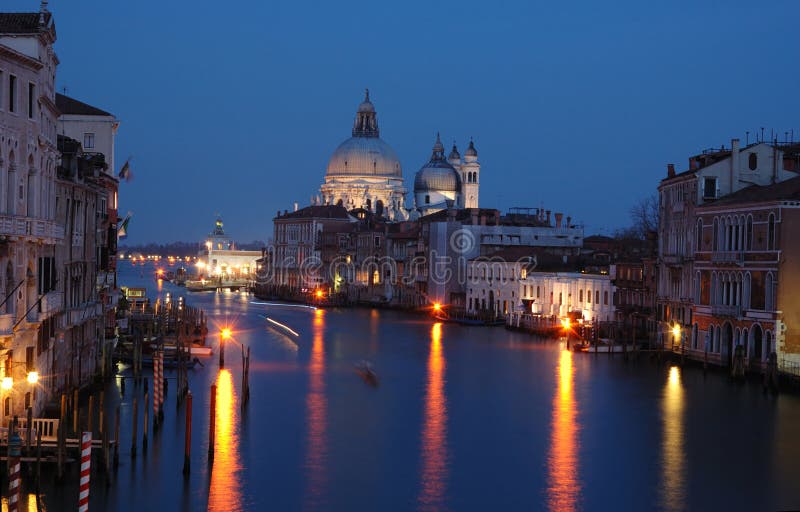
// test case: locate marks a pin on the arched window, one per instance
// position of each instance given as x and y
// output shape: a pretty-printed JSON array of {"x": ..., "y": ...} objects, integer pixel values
[
  {"x": 715, "y": 240},
  {"x": 748, "y": 237},
  {"x": 580, "y": 295},
  {"x": 752, "y": 161},
  {"x": 699, "y": 238},
  {"x": 605, "y": 298},
  {"x": 771, "y": 233},
  {"x": 768, "y": 285}
]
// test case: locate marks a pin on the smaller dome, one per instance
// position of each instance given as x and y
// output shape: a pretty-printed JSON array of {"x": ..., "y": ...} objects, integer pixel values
[
  {"x": 440, "y": 178},
  {"x": 471, "y": 151},
  {"x": 454, "y": 154},
  {"x": 437, "y": 175}
]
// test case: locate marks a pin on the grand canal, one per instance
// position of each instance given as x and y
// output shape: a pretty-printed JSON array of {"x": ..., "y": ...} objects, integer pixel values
[{"x": 464, "y": 418}]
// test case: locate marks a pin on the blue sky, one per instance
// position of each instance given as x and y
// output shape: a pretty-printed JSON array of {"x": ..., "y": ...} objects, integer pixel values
[{"x": 578, "y": 106}]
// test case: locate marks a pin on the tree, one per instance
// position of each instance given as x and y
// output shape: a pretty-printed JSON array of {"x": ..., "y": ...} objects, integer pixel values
[{"x": 645, "y": 216}]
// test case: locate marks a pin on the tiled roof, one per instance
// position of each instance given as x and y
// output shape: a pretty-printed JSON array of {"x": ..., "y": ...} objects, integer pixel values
[
  {"x": 67, "y": 105},
  {"x": 785, "y": 190},
  {"x": 21, "y": 22},
  {"x": 318, "y": 212}
]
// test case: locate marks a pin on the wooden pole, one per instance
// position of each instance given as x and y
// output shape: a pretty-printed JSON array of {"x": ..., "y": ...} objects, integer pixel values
[
  {"x": 38, "y": 458},
  {"x": 135, "y": 425},
  {"x": 146, "y": 417},
  {"x": 91, "y": 413},
  {"x": 116, "y": 438},
  {"x": 101, "y": 414},
  {"x": 188, "y": 435},
  {"x": 212, "y": 422},
  {"x": 28, "y": 432},
  {"x": 75, "y": 411},
  {"x": 60, "y": 449}
]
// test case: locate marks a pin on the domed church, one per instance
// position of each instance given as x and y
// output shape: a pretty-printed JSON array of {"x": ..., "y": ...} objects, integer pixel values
[
  {"x": 447, "y": 183},
  {"x": 364, "y": 171}
]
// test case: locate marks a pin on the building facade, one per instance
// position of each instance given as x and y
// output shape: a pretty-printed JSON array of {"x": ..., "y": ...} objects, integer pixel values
[
  {"x": 711, "y": 176},
  {"x": 745, "y": 277},
  {"x": 29, "y": 298}
]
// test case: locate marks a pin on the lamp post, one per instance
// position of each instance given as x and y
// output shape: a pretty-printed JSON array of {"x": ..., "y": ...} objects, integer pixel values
[{"x": 7, "y": 385}]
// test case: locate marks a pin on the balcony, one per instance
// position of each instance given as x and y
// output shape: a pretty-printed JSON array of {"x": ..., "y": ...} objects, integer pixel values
[
  {"x": 51, "y": 304},
  {"x": 728, "y": 257},
  {"x": 7, "y": 324},
  {"x": 729, "y": 311},
  {"x": 76, "y": 316},
  {"x": 31, "y": 229}
]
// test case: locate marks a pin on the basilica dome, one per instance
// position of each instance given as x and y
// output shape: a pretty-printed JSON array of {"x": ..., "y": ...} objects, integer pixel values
[{"x": 365, "y": 154}]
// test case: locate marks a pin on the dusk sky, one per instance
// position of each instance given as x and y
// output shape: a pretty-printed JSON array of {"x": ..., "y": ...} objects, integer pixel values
[{"x": 235, "y": 107}]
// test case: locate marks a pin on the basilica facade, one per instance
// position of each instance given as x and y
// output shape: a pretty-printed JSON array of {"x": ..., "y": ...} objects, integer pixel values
[{"x": 365, "y": 172}]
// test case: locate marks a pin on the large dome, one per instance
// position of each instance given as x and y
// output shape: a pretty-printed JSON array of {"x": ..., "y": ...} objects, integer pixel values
[{"x": 364, "y": 156}]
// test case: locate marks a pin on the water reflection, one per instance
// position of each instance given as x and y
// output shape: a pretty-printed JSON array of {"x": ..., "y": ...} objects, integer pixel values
[
  {"x": 434, "y": 432},
  {"x": 673, "y": 452},
  {"x": 225, "y": 490},
  {"x": 563, "y": 483},
  {"x": 316, "y": 408}
]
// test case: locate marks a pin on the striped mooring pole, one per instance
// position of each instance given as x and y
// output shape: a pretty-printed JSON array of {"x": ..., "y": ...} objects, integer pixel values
[
  {"x": 14, "y": 452},
  {"x": 86, "y": 465},
  {"x": 158, "y": 384}
]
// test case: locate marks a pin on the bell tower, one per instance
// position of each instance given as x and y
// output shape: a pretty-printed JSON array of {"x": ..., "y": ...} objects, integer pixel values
[{"x": 471, "y": 172}]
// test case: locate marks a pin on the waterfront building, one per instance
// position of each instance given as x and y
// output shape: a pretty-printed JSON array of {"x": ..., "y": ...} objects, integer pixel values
[
  {"x": 634, "y": 283},
  {"x": 80, "y": 197},
  {"x": 292, "y": 264},
  {"x": 746, "y": 275},
  {"x": 527, "y": 280},
  {"x": 364, "y": 171},
  {"x": 451, "y": 238},
  {"x": 219, "y": 256},
  {"x": 711, "y": 176},
  {"x": 95, "y": 130},
  {"x": 29, "y": 296}
]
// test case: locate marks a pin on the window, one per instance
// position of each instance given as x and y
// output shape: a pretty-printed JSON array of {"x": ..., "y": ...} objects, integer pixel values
[
  {"x": 748, "y": 243},
  {"x": 88, "y": 140},
  {"x": 752, "y": 161},
  {"x": 29, "y": 360},
  {"x": 12, "y": 93},
  {"x": 597, "y": 297},
  {"x": 605, "y": 298},
  {"x": 580, "y": 296},
  {"x": 771, "y": 233},
  {"x": 427, "y": 199},
  {"x": 709, "y": 188},
  {"x": 699, "y": 241},
  {"x": 31, "y": 99},
  {"x": 47, "y": 274}
]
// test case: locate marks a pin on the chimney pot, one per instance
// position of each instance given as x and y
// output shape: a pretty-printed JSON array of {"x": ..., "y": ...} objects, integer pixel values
[{"x": 671, "y": 169}]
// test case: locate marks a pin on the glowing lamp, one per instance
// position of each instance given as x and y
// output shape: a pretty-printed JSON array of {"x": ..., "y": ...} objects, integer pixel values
[
  {"x": 676, "y": 330},
  {"x": 437, "y": 306},
  {"x": 225, "y": 333},
  {"x": 33, "y": 377},
  {"x": 319, "y": 294},
  {"x": 7, "y": 383}
]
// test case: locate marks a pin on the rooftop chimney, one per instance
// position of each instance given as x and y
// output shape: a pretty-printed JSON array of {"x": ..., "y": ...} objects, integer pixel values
[
  {"x": 671, "y": 169},
  {"x": 569, "y": 222},
  {"x": 548, "y": 217},
  {"x": 559, "y": 216},
  {"x": 734, "y": 162}
]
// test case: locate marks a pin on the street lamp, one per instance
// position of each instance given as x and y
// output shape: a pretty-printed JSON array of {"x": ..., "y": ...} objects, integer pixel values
[
  {"x": 676, "y": 332},
  {"x": 224, "y": 334}
]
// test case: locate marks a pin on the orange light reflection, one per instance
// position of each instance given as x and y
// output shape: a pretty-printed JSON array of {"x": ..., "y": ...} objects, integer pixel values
[
  {"x": 673, "y": 455},
  {"x": 563, "y": 484},
  {"x": 316, "y": 410},
  {"x": 434, "y": 433},
  {"x": 225, "y": 489}
]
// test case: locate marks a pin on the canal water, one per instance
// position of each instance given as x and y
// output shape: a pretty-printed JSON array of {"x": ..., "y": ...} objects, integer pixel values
[{"x": 464, "y": 418}]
